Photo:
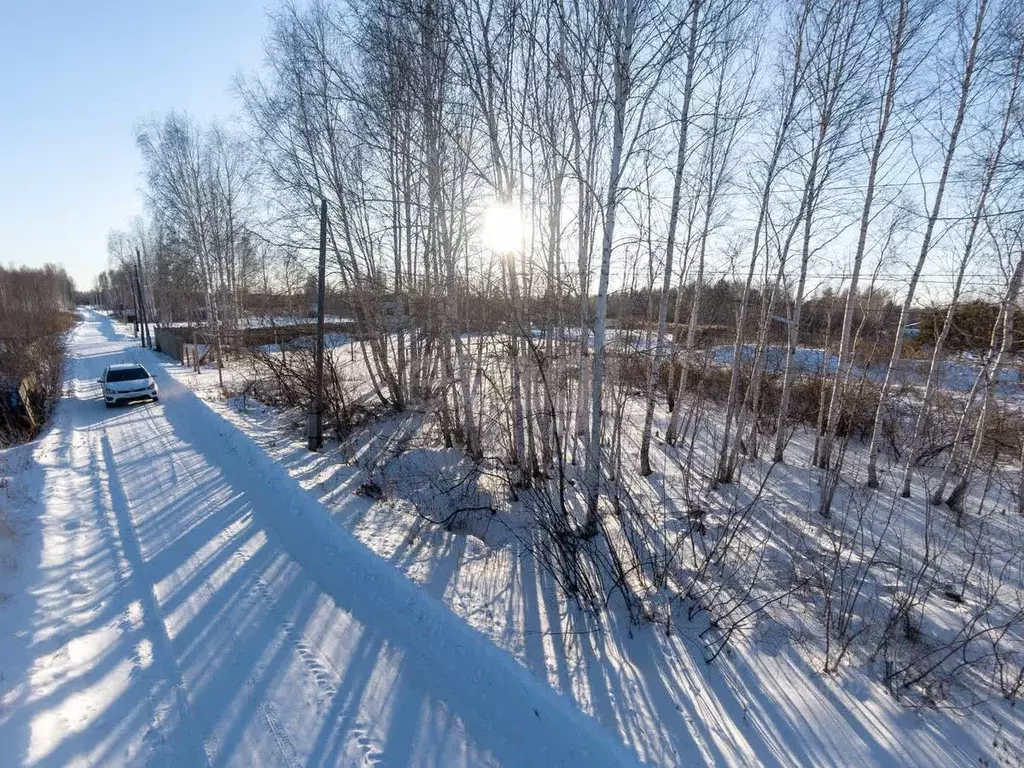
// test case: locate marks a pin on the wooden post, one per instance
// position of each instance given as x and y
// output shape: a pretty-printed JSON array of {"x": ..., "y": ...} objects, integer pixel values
[
  {"x": 135, "y": 298},
  {"x": 147, "y": 337},
  {"x": 140, "y": 310},
  {"x": 316, "y": 417}
]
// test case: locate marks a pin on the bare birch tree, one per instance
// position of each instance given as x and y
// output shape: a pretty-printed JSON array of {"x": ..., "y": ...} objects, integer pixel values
[
  {"x": 901, "y": 24},
  {"x": 974, "y": 27},
  {"x": 794, "y": 73}
]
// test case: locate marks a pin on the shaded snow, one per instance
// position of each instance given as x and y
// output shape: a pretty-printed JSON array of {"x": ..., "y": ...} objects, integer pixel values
[
  {"x": 176, "y": 598},
  {"x": 765, "y": 702}
]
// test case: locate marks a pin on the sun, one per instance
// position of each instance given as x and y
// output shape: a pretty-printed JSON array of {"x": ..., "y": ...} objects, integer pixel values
[{"x": 503, "y": 228}]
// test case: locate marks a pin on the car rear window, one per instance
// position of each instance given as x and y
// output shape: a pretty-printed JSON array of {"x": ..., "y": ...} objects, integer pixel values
[{"x": 126, "y": 374}]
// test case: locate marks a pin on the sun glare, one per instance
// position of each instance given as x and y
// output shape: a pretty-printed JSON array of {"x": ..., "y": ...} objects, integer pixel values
[{"x": 503, "y": 228}]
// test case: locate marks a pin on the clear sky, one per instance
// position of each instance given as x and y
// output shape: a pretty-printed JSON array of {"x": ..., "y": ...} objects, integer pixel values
[{"x": 76, "y": 77}]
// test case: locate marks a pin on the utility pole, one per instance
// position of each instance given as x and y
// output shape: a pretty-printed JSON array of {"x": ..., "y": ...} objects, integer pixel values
[
  {"x": 140, "y": 310},
  {"x": 133, "y": 286},
  {"x": 147, "y": 339},
  {"x": 316, "y": 417}
]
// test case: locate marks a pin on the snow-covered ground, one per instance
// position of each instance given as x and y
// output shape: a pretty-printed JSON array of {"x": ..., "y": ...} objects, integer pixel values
[
  {"x": 956, "y": 375},
  {"x": 170, "y": 595},
  {"x": 331, "y": 341},
  {"x": 766, "y": 702},
  {"x": 178, "y": 584}
]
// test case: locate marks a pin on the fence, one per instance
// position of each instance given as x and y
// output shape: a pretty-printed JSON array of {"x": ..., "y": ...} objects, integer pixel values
[
  {"x": 178, "y": 342},
  {"x": 170, "y": 343}
]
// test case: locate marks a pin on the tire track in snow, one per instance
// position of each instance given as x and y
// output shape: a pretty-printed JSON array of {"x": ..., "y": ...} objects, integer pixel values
[
  {"x": 325, "y": 677},
  {"x": 319, "y": 670},
  {"x": 271, "y": 717},
  {"x": 152, "y": 618}
]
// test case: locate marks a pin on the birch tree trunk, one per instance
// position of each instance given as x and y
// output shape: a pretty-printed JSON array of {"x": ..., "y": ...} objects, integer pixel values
[
  {"x": 989, "y": 380},
  {"x": 625, "y": 27},
  {"x": 670, "y": 242},
  {"x": 724, "y": 132},
  {"x": 724, "y": 469},
  {"x": 898, "y": 40},
  {"x": 989, "y": 376},
  {"x": 966, "y": 83},
  {"x": 933, "y": 373},
  {"x": 835, "y": 88}
]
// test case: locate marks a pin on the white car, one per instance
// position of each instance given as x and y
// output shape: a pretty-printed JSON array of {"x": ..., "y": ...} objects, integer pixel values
[{"x": 127, "y": 381}]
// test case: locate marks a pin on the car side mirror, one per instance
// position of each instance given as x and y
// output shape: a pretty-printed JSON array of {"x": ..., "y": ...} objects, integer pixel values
[{"x": 99, "y": 381}]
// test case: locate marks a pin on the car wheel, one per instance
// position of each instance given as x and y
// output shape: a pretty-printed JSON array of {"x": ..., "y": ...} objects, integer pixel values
[
  {"x": 156, "y": 398},
  {"x": 109, "y": 405}
]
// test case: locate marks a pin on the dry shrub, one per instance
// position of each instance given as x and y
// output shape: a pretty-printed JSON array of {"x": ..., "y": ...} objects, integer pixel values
[
  {"x": 711, "y": 381},
  {"x": 1004, "y": 427},
  {"x": 31, "y": 370},
  {"x": 288, "y": 381},
  {"x": 630, "y": 369},
  {"x": 857, "y": 416}
]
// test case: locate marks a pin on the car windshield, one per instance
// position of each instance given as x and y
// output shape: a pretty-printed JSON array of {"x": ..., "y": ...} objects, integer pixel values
[{"x": 127, "y": 374}]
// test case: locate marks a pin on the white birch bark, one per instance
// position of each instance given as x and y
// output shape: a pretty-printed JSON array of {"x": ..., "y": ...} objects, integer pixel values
[
  {"x": 670, "y": 242},
  {"x": 966, "y": 84},
  {"x": 898, "y": 39},
  {"x": 625, "y": 28}
]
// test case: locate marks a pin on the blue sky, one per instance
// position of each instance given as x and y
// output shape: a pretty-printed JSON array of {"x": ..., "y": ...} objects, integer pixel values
[{"x": 76, "y": 77}]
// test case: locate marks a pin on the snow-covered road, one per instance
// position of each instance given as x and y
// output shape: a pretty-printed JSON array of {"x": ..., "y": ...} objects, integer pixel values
[{"x": 177, "y": 598}]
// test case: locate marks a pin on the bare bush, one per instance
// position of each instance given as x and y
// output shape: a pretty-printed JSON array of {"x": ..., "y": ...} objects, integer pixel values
[{"x": 34, "y": 317}]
